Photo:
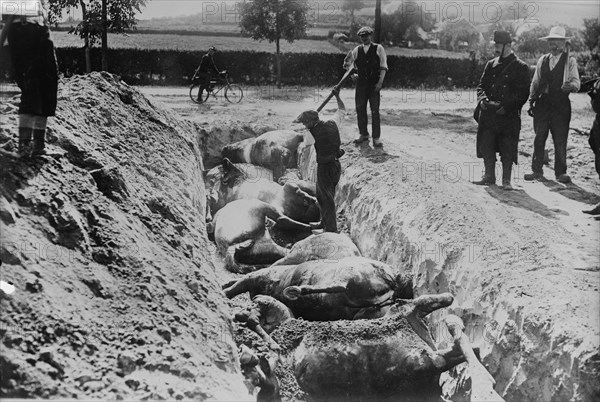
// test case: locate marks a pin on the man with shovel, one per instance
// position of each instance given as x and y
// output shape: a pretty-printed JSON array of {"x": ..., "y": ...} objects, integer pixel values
[
  {"x": 555, "y": 77},
  {"x": 371, "y": 62},
  {"x": 327, "y": 146}
]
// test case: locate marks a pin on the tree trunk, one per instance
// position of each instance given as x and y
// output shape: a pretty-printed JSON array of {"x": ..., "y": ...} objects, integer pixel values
[
  {"x": 278, "y": 65},
  {"x": 88, "y": 57},
  {"x": 377, "y": 37},
  {"x": 86, "y": 47},
  {"x": 104, "y": 37}
]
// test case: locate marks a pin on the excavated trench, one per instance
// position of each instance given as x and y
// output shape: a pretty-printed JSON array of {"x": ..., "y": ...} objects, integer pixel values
[
  {"x": 447, "y": 242},
  {"x": 526, "y": 307}
]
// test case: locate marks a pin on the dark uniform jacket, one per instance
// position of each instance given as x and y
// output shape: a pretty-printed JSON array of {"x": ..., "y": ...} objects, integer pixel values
[
  {"x": 507, "y": 82},
  {"x": 35, "y": 67}
]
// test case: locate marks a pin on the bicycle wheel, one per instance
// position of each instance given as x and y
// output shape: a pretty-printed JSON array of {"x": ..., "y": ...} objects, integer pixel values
[
  {"x": 234, "y": 93},
  {"x": 194, "y": 89}
]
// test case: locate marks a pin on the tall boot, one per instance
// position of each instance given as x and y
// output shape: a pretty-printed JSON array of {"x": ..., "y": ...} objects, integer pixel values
[
  {"x": 39, "y": 146},
  {"x": 506, "y": 173},
  {"x": 24, "y": 141},
  {"x": 489, "y": 176}
]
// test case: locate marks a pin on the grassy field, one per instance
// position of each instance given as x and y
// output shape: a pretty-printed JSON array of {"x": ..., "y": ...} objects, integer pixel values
[
  {"x": 197, "y": 43},
  {"x": 201, "y": 43}
]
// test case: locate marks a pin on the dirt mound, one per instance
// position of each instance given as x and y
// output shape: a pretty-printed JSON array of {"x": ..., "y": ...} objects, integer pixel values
[{"x": 117, "y": 295}]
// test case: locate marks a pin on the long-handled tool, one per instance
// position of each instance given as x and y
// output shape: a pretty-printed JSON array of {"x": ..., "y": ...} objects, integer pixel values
[
  {"x": 566, "y": 69},
  {"x": 339, "y": 84}
]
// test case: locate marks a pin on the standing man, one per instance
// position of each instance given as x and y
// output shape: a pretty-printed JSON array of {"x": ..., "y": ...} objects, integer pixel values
[
  {"x": 371, "y": 62},
  {"x": 36, "y": 74},
  {"x": 327, "y": 146},
  {"x": 554, "y": 79},
  {"x": 205, "y": 71},
  {"x": 501, "y": 93}
]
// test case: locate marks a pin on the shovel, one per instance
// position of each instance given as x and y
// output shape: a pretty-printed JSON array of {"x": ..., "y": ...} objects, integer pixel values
[{"x": 339, "y": 84}]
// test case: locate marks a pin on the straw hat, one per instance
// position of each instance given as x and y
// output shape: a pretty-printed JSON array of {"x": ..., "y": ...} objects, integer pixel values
[{"x": 557, "y": 32}]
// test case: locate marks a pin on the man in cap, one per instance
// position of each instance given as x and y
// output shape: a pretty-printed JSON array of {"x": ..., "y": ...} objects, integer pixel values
[
  {"x": 326, "y": 135},
  {"x": 205, "y": 71},
  {"x": 35, "y": 71},
  {"x": 371, "y": 62},
  {"x": 501, "y": 93},
  {"x": 555, "y": 77}
]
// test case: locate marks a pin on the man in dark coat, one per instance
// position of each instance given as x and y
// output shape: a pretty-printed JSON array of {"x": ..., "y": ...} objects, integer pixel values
[
  {"x": 205, "y": 71},
  {"x": 36, "y": 73},
  {"x": 502, "y": 92},
  {"x": 554, "y": 79},
  {"x": 327, "y": 146},
  {"x": 593, "y": 89},
  {"x": 370, "y": 61}
]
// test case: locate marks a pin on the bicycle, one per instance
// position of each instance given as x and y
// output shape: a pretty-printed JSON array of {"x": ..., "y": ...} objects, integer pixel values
[{"x": 232, "y": 92}]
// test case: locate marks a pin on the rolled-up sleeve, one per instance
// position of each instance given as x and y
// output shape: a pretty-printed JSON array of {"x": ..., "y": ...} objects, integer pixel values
[
  {"x": 382, "y": 58},
  {"x": 573, "y": 75}
]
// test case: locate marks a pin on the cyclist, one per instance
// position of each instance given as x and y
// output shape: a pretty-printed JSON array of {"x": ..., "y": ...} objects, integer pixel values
[{"x": 205, "y": 71}]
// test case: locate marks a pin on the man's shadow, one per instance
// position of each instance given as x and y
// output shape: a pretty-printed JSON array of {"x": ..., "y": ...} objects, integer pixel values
[
  {"x": 375, "y": 155},
  {"x": 572, "y": 191},
  {"x": 520, "y": 199}
]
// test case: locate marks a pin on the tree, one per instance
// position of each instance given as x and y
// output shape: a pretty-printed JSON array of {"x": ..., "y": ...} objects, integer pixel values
[
  {"x": 395, "y": 25},
  {"x": 98, "y": 18},
  {"x": 274, "y": 20},
  {"x": 452, "y": 32},
  {"x": 350, "y": 6},
  {"x": 591, "y": 33}
]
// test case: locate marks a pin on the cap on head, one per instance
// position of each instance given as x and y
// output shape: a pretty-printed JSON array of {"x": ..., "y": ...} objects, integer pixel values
[
  {"x": 557, "y": 32},
  {"x": 365, "y": 31},
  {"x": 308, "y": 116},
  {"x": 502, "y": 37}
]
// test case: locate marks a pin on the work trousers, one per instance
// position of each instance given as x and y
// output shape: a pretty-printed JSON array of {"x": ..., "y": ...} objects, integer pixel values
[
  {"x": 365, "y": 92},
  {"x": 556, "y": 121},
  {"x": 328, "y": 176}
]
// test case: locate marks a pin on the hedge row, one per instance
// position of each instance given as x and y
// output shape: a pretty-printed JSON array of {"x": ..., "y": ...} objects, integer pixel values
[{"x": 174, "y": 67}]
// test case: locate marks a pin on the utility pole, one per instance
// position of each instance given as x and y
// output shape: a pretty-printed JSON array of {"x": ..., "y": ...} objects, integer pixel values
[{"x": 377, "y": 37}]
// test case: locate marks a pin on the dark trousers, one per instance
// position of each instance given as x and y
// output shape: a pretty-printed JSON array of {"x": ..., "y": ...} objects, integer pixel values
[
  {"x": 328, "y": 176},
  {"x": 498, "y": 134},
  {"x": 594, "y": 142},
  {"x": 556, "y": 121},
  {"x": 365, "y": 92},
  {"x": 204, "y": 79}
]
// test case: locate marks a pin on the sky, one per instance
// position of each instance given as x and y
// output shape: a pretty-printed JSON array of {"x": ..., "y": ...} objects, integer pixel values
[{"x": 546, "y": 11}]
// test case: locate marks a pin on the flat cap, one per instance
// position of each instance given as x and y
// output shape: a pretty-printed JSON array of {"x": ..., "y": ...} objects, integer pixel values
[
  {"x": 307, "y": 116},
  {"x": 365, "y": 31}
]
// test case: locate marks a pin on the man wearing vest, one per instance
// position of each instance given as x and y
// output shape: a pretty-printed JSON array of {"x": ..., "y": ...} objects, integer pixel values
[
  {"x": 371, "y": 62},
  {"x": 327, "y": 146},
  {"x": 554, "y": 79},
  {"x": 501, "y": 93}
]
